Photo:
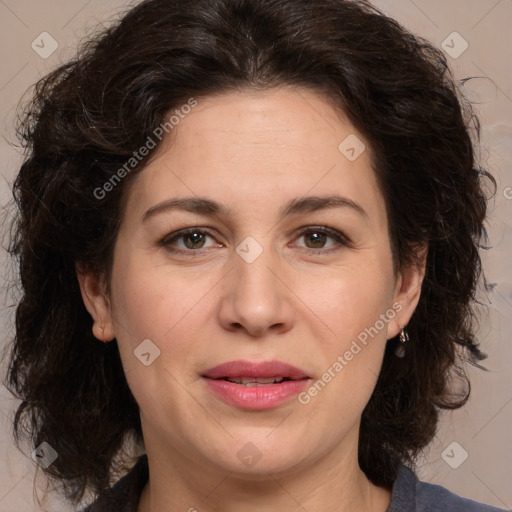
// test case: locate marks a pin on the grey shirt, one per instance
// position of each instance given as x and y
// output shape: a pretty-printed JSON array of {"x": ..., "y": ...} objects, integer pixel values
[{"x": 409, "y": 494}]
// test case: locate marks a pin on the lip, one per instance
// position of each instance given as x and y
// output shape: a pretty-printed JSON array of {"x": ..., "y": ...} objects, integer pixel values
[
  {"x": 236, "y": 369},
  {"x": 267, "y": 396}
]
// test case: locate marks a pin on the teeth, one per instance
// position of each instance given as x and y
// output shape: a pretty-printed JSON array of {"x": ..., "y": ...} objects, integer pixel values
[{"x": 255, "y": 381}]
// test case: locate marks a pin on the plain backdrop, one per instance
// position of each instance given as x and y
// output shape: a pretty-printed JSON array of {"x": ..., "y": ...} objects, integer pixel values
[{"x": 471, "y": 454}]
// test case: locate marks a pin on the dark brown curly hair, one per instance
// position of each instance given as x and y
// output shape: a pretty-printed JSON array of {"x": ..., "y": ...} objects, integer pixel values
[{"x": 86, "y": 119}]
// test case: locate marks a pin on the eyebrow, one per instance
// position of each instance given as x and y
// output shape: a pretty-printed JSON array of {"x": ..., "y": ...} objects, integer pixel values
[{"x": 300, "y": 205}]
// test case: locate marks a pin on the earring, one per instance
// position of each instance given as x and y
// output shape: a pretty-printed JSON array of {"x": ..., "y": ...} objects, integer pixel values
[{"x": 404, "y": 337}]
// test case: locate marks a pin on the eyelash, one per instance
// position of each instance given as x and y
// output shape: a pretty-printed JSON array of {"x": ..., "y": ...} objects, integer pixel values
[{"x": 341, "y": 239}]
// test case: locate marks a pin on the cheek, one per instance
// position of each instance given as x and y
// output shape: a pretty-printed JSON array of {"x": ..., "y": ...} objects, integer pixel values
[
  {"x": 154, "y": 301},
  {"x": 350, "y": 299},
  {"x": 171, "y": 309},
  {"x": 151, "y": 303},
  {"x": 352, "y": 303}
]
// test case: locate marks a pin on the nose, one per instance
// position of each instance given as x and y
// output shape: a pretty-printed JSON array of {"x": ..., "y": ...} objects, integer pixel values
[{"x": 256, "y": 298}]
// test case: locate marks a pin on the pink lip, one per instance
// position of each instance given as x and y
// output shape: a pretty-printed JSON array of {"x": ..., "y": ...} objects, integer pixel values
[
  {"x": 255, "y": 397},
  {"x": 235, "y": 369}
]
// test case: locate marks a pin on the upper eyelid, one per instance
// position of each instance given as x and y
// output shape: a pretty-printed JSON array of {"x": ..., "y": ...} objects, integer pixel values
[
  {"x": 325, "y": 229},
  {"x": 185, "y": 231},
  {"x": 176, "y": 235}
]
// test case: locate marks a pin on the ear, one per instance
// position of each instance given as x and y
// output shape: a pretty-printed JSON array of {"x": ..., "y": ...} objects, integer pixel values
[
  {"x": 97, "y": 303},
  {"x": 408, "y": 291}
]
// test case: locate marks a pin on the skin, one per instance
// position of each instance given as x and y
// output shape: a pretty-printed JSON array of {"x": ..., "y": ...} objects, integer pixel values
[{"x": 253, "y": 152}]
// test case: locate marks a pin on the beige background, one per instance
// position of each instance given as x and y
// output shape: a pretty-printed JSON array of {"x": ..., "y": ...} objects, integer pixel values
[{"x": 482, "y": 428}]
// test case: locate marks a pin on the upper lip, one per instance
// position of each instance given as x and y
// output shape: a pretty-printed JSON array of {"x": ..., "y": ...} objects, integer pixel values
[{"x": 265, "y": 369}]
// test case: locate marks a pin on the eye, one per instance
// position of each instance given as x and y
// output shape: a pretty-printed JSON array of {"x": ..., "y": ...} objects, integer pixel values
[
  {"x": 188, "y": 240},
  {"x": 316, "y": 239}
]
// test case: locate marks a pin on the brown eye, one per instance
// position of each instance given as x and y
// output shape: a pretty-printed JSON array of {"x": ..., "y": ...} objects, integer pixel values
[
  {"x": 188, "y": 240},
  {"x": 194, "y": 240},
  {"x": 316, "y": 239},
  {"x": 320, "y": 240}
]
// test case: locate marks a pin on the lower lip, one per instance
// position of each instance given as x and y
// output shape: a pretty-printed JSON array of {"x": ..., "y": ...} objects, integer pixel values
[{"x": 268, "y": 396}]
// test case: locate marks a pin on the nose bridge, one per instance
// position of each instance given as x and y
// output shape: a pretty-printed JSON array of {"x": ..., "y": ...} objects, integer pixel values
[
  {"x": 255, "y": 299},
  {"x": 253, "y": 276}
]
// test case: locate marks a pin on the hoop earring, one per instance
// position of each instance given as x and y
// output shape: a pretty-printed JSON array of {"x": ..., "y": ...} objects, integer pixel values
[{"x": 404, "y": 337}]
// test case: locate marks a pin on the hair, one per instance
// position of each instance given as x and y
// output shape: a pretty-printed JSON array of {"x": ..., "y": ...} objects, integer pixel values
[{"x": 85, "y": 120}]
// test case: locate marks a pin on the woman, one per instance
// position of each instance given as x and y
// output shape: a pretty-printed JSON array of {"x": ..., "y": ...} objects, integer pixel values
[{"x": 248, "y": 241}]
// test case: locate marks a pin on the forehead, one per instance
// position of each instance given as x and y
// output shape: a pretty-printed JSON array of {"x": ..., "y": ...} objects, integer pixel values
[
  {"x": 261, "y": 145},
  {"x": 287, "y": 122}
]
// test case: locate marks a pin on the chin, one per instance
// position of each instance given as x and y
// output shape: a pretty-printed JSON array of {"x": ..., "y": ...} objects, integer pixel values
[{"x": 254, "y": 457}]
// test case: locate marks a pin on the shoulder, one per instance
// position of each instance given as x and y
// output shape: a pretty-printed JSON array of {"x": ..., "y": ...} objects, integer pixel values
[{"x": 411, "y": 495}]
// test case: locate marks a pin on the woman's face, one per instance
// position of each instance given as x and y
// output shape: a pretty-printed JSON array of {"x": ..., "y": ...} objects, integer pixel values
[{"x": 285, "y": 260}]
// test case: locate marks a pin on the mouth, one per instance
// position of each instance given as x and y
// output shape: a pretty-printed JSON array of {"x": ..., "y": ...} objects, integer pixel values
[
  {"x": 256, "y": 381},
  {"x": 265, "y": 372},
  {"x": 251, "y": 385}
]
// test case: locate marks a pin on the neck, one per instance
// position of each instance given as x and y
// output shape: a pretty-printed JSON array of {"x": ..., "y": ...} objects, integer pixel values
[{"x": 333, "y": 482}]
